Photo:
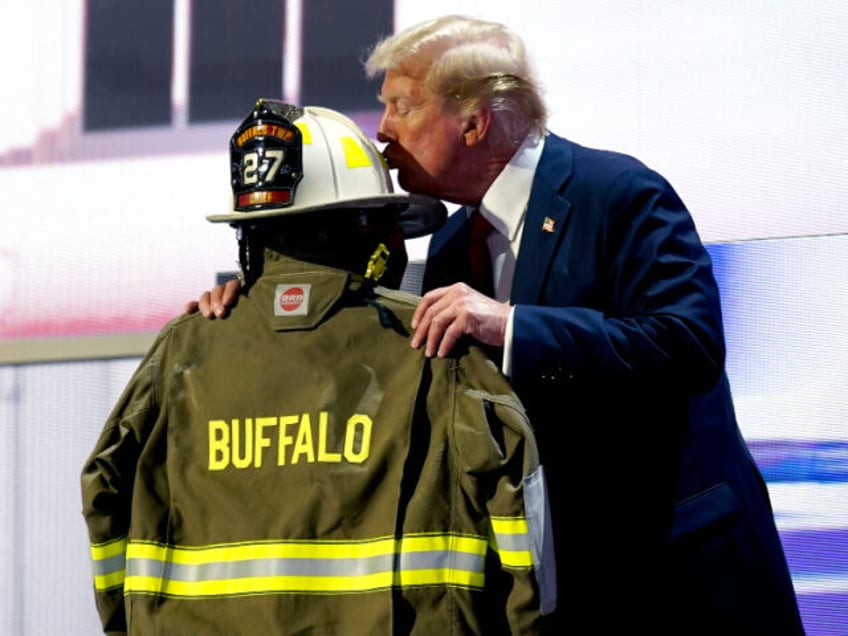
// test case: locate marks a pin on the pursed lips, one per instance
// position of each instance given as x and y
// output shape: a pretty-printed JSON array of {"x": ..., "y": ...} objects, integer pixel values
[{"x": 387, "y": 156}]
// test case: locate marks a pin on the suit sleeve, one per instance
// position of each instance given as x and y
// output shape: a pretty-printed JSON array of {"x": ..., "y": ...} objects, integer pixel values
[
  {"x": 648, "y": 306},
  {"x": 107, "y": 489}
]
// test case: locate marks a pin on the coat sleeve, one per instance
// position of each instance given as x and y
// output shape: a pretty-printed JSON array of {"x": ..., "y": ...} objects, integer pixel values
[
  {"x": 629, "y": 293},
  {"x": 498, "y": 451},
  {"x": 107, "y": 488}
]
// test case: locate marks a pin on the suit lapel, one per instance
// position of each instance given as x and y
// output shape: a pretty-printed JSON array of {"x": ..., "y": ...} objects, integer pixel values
[
  {"x": 544, "y": 225},
  {"x": 545, "y": 222}
]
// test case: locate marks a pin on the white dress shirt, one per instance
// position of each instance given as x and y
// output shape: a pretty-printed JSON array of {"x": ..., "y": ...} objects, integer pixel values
[{"x": 504, "y": 206}]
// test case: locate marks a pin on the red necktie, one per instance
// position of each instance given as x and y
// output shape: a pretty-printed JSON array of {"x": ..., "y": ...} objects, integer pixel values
[{"x": 479, "y": 258}]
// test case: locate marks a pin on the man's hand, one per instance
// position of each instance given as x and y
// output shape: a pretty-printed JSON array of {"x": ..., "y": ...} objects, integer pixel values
[
  {"x": 216, "y": 303},
  {"x": 446, "y": 314}
]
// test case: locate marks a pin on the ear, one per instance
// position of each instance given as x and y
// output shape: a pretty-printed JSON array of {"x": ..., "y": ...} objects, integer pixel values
[{"x": 476, "y": 126}]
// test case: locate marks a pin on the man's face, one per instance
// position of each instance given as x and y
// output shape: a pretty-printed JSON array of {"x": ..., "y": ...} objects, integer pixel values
[{"x": 424, "y": 137}]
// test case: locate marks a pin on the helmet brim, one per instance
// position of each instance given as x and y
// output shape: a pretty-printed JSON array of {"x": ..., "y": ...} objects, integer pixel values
[{"x": 418, "y": 215}]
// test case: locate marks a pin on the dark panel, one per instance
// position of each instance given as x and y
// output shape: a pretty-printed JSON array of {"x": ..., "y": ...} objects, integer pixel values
[
  {"x": 236, "y": 57},
  {"x": 128, "y": 53},
  {"x": 337, "y": 35}
]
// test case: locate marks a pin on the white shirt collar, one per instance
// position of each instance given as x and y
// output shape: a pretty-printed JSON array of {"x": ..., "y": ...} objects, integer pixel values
[{"x": 506, "y": 199}]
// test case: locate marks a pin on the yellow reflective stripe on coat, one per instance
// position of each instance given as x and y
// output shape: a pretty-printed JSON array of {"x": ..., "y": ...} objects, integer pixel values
[
  {"x": 108, "y": 562},
  {"x": 323, "y": 567},
  {"x": 512, "y": 540}
]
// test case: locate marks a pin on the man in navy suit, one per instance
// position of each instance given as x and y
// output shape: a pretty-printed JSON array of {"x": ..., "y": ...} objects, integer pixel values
[
  {"x": 605, "y": 313},
  {"x": 602, "y": 307}
]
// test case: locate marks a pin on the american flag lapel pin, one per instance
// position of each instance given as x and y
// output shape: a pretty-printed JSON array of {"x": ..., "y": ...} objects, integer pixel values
[{"x": 548, "y": 225}]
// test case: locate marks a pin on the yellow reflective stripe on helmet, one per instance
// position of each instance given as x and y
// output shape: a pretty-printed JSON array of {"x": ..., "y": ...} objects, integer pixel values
[
  {"x": 108, "y": 561},
  {"x": 305, "y": 567},
  {"x": 512, "y": 537},
  {"x": 305, "y": 133},
  {"x": 355, "y": 155}
]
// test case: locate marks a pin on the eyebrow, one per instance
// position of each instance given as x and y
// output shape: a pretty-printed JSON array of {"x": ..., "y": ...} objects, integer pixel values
[{"x": 394, "y": 100}]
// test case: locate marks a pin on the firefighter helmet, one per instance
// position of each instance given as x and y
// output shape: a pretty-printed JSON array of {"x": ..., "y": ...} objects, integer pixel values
[{"x": 287, "y": 160}]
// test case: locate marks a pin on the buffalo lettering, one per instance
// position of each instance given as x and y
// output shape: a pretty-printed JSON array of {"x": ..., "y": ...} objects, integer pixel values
[{"x": 286, "y": 440}]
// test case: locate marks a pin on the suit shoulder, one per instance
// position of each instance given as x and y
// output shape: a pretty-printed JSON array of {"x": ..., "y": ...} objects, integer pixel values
[
  {"x": 612, "y": 161},
  {"x": 597, "y": 163}
]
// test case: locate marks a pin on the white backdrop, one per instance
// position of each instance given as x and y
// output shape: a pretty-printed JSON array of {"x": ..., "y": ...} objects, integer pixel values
[{"x": 739, "y": 104}]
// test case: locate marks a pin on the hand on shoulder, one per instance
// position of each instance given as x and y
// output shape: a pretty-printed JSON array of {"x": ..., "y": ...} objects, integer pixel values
[
  {"x": 217, "y": 302},
  {"x": 446, "y": 314}
]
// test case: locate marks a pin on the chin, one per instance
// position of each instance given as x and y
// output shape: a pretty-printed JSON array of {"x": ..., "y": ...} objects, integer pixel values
[
  {"x": 416, "y": 186},
  {"x": 402, "y": 174}
]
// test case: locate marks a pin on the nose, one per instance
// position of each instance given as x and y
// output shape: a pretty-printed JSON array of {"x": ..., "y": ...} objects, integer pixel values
[{"x": 385, "y": 133}]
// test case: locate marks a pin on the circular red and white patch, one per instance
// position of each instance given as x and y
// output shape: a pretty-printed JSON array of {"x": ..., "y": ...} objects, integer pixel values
[{"x": 291, "y": 299}]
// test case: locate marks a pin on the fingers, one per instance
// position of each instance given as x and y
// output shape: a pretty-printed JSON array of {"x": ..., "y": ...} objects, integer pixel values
[
  {"x": 432, "y": 318},
  {"x": 216, "y": 302},
  {"x": 447, "y": 314},
  {"x": 443, "y": 323},
  {"x": 450, "y": 334},
  {"x": 190, "y": 307},
  {"x": 423, "y": 316},
  {"x": 204, "y": 304},
  {"x": 424, "y": 305},
  {"x": 230, "y": 293}
]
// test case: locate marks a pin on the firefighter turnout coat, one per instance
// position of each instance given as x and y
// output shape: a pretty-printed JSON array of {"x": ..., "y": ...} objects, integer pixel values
[{"x": 298, "y": 468}]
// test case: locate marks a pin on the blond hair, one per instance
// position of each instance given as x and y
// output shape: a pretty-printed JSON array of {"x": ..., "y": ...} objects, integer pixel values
[{"x": 471, "y": 62}]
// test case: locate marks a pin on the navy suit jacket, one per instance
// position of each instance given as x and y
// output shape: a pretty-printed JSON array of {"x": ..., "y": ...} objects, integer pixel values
[{"x": 660, "y": 514}]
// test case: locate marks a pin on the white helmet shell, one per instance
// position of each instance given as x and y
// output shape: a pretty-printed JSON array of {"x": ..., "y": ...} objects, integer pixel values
[{"x": 287, "y": 160}]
